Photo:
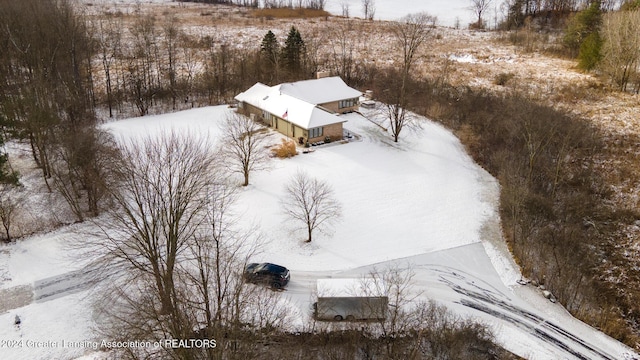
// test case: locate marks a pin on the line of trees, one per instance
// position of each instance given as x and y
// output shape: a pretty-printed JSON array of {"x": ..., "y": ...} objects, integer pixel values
[
  {"x": 620, "y": 53},
  {"x": 46, "y": 97},
  {"x": 268, "y": 4},
  {"x": 550, "y": 11}
]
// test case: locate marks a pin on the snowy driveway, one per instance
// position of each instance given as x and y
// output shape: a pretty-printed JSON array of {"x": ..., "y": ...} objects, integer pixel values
[{"x": 464, "y": 280}]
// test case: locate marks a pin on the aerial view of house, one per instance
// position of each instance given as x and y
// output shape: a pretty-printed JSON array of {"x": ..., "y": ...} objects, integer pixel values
[
  {"x": 307, "y": 110},
  {"x": 484, "y": 204}
]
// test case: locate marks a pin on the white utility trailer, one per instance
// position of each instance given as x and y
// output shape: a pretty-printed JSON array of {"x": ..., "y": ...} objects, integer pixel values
[{"x": 351, "y": 299}]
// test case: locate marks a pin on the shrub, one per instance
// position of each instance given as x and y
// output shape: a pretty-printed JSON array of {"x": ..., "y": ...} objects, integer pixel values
[
  {"x": 284, "y": 150},
  {"x": 502, "y": 78}
]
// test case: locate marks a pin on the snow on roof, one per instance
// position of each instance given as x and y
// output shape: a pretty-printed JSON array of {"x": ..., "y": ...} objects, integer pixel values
[
  {"x": 298, "y": 112},
  {"x": 362, "y": 287},
  {"x": 320, "y": 91}
]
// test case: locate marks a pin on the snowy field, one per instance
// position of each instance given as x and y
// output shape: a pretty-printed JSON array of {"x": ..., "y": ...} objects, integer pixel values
[
  {"x": 448, "y": 12},
  {"x": 421, "y": 204}
]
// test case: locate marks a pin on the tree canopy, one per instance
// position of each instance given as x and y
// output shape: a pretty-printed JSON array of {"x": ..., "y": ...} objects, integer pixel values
[
  {"x": 582, "y": 37},
  {"x": 293, "y": 51}
]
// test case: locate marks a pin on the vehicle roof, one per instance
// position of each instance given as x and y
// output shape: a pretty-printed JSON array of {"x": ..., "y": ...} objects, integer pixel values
[{"x": 273, "y": 267}]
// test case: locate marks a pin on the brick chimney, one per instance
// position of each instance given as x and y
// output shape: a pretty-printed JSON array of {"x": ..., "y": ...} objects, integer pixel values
[{"x": 322, "y": 74}]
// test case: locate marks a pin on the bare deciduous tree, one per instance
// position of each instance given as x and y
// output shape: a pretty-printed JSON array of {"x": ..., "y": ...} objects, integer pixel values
[
  {"x": 344, "y": 5},
  {"x": 219, "y": 254},
  {"x": 142, "y": 68},
  {"x": 160, "y": 196},
  {"x": 171, "y": 34},
  {"x": 108, "y": 40},
  {"x": 410, "y": 33},
  {"x": 244, "y": 144},
  {"x": 397, "y": 284},
  {"x": 173, "y": 251},
  {"x": 369, "y": 9},
  {"x": 621, "y": 48},
  {"x": 8, "y": 205},
  {"x": 311, "y": 202},
  {"x": 479, "y": 7},
  {"x": 342, "y": 45}
]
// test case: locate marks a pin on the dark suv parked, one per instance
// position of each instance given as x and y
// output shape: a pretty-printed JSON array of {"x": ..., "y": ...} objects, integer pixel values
[{"x": 273, "y": 275}]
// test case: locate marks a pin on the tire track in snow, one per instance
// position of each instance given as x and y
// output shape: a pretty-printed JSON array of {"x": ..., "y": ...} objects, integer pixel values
[{"x": 485, "y": 300}]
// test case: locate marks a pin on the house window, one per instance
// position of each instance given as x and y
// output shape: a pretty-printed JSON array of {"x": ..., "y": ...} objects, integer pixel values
[
  {"x": 265, "y": 115},
  {"x": 315, "y": 132},
  {"x": 347, "y": 103}
]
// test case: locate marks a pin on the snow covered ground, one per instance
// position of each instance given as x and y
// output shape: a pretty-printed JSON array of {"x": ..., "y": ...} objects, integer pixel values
[
  {"x": 448, "y": 12},
  {"x": 421, "y": 203}
]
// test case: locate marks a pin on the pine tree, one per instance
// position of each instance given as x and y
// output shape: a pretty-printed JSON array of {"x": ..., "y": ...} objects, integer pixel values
[
  {"x": 269, "y": 49},
  {"x": 590, "y": 51},
  {"x": 294, "y": 50},
  {"x": 580, "y": 38}
]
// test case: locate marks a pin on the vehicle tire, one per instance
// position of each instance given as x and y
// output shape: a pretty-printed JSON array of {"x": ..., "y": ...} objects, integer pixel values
[
  {"x": 276, "y": 286},
  {"x": 350, "y": 318},
  {"x": 337, "y": 318}
]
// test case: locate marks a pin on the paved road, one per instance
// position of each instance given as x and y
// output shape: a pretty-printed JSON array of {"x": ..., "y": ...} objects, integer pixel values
[
  {"x": 44, "y": 290},
  {"x": 61, "y": 285}
]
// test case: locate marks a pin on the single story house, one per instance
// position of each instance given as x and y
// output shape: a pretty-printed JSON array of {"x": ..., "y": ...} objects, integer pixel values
[{"x": 304, "y": 110}]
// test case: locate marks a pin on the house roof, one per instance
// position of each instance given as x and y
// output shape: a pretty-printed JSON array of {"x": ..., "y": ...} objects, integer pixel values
[
  {"x": 365, "y": 287},
  {"x": 299, "y": 112},
  {"x": 320, "y": 91}
]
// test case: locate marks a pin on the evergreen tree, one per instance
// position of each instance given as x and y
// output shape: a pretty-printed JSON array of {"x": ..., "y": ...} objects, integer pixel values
[
  {"x": 270, "y": 48},
  {"x": 293, "y": 52},
  {"x": 515, "y": 17},
  {"x": 590, "y": 51},
  {"x": 582, "y": 38}
]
